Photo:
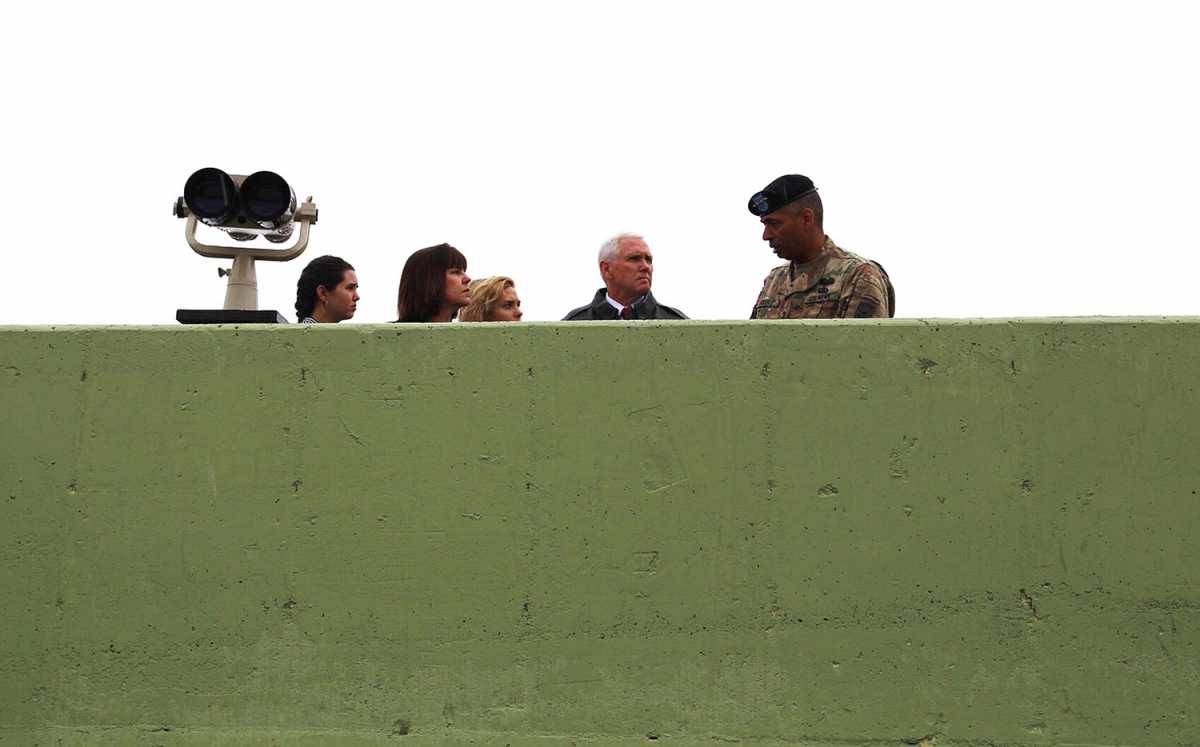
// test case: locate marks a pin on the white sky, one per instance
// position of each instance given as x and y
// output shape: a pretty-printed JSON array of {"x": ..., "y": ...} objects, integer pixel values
[{"x": 1009, "y": 159}]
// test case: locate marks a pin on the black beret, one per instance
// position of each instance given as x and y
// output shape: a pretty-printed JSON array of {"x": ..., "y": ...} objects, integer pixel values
[{"x": 780, "y": 192}]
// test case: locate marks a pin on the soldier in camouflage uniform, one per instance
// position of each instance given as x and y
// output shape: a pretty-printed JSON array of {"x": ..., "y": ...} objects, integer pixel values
[{"x": 820, "y": 280}]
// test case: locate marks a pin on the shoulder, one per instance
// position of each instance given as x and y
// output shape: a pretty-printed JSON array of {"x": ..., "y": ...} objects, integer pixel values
[
  {"x": 587, "y": 311},
  {"x": 581, "y": 313},
  {"x": 777, "y": 273},
  {"x": 853, "y": 264},
  {"x": 869, "y": 277},
  {"x": 777, "y": 277},
  {"x": 670, "y": 312},
  {"x": 847, "y": 259},
  {"x": 659, "y": 310}
]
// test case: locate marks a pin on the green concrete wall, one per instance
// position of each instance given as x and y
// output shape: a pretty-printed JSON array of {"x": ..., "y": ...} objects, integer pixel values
[{"x": 773, "y": 533}]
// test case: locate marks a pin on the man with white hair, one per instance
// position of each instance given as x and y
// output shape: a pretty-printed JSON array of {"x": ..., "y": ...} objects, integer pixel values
[{"x": 627, "y": 267}]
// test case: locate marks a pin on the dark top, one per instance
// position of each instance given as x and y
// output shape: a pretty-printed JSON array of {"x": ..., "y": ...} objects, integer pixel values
[{"x": 645, "y": 308}]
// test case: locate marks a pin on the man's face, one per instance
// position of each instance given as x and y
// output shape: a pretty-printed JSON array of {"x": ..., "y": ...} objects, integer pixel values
[
  {"x": 341, "y": 302},
  {"x": 785, "y": 230},
  {"x": 628, "y": 276}
]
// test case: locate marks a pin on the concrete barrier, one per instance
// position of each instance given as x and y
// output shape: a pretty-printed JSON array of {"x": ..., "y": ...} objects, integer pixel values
[{"x": 772, "y": 533}]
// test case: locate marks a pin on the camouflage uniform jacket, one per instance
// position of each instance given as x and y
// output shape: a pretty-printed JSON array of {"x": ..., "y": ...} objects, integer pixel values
[{"x": 837, "y": 284}]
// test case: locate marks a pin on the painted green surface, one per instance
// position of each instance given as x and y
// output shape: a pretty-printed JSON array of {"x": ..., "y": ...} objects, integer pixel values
[{"x": 773, "y": 533}]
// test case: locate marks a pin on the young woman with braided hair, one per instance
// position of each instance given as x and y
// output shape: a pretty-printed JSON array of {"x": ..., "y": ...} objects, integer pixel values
[{"x": 327, "y": 291}]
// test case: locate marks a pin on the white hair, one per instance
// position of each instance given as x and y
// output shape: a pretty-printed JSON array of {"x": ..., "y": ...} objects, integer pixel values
[{"x": 612, "y": 247}]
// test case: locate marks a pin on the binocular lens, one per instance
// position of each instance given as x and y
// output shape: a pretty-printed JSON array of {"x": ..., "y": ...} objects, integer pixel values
[
  {"x": 282, "y": 234},
  {"x": 266, "y": 198},
  {"x": 210, "y": 195}
]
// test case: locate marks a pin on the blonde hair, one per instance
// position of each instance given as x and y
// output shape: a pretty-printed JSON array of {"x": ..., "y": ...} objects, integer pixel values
[{"x": 484, "y": 295}]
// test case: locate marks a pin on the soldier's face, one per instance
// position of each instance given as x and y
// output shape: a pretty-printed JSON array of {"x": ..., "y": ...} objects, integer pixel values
[
  {"x": 628, "y": 276},
  {"x": 785, "y": 230}
]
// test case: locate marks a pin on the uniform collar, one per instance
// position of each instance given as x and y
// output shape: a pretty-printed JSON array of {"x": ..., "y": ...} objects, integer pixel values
[{"x": 814, "y": 265}]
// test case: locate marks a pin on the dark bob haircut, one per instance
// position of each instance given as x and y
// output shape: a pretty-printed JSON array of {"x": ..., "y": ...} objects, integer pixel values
[
  {"x": 327, "y": 271},
  {"x": 423, "y": 282}
]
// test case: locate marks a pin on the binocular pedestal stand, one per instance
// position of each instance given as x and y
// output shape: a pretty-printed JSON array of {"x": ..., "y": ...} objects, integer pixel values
[{"x": 241, "y": 290}]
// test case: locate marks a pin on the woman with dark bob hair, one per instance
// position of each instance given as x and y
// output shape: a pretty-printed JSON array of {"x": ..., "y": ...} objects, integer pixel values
[
  {"x": 433, "y": 285},
  {"x": 327, "y": 291}
]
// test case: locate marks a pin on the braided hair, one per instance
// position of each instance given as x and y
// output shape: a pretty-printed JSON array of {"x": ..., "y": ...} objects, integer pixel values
[{"x": 327, "y": 271}]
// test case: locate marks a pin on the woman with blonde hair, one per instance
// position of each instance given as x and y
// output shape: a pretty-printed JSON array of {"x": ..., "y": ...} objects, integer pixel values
[{"x": 493, "y": 299}]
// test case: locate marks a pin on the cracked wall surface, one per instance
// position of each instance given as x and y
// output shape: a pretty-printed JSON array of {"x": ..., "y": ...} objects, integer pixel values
[{"x": 820, "y": 533}]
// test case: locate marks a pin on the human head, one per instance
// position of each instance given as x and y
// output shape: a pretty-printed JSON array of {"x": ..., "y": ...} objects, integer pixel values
[
  {"x": 627, "y": 267},
  {"x": 792, "y": 215},
  {"x": 327, "y": 290},
  {"x": 493, "y": 299},
  {"x": 427, "y": 277}
]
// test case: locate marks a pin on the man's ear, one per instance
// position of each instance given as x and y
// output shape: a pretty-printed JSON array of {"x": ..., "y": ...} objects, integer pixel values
[
  {"x": 605, "y": 266},
  {"x": 322, "y": 293}
]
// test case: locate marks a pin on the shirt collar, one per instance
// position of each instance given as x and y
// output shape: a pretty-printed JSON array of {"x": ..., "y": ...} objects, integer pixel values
[
  {"x": 617, "y": 304},
  {"x": 796, "y": 269}
]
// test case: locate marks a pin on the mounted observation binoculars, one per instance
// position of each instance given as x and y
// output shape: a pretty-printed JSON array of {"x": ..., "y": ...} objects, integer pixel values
[
  {"x": 244, "y": 207},
  {"x": 262, "y": 204}
]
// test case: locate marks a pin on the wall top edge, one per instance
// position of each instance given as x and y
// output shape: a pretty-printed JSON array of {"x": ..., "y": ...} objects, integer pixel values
[{"x": 450, "y": 328}]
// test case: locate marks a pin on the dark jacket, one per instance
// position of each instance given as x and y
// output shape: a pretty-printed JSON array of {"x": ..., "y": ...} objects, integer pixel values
[{"x": 647, "y": 308}]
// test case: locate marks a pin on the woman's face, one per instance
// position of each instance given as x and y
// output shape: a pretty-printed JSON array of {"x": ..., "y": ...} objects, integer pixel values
[
  {"x": 457, "y": 292},
  {"x": 507, "y": 307},
  {"x": 340, "y": 303}
]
